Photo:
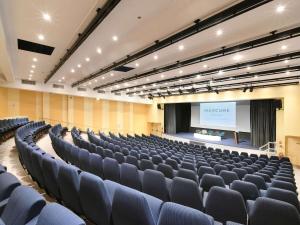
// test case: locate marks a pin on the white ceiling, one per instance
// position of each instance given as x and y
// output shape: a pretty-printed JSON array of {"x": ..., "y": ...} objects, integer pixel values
[{"x": 159, "y": 19}]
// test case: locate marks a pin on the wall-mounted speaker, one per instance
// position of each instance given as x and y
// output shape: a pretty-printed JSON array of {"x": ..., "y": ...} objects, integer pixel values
[
  {"x": 278, "y": 103},
  {"x": 160, "y": 106}
]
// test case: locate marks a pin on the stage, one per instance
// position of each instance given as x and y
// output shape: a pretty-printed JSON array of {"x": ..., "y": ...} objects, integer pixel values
[{"x": 226, "y": 142}]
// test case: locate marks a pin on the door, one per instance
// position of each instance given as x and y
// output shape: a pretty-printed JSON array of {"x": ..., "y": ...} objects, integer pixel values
[{"x": 293, "y": 149}]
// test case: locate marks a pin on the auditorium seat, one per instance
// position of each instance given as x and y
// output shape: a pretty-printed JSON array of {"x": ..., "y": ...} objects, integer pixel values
[
  {"x": 23, "y": 205},
  {"x": 68, "y": 180},
  {"x": 257, "y": 180},
  {"x": 108, "y": 153},
  {"x": 188, "y": 174},
  {"x": 55, "y": 214},
  {"x": 37, "y": 159},
  {"x": 218, "y": 168},
  {"x": 8, "y": 183},
  {"x": 205, "y": 170},
  {"x": 266, "y": 177},
  {"x": 111, "y": 170},
  {"x": 167, "y": 170},
  {"x": 146, "y": 164},
  {"x": 84, "y": 158},
  {"x": 273, "y": 212},
  {"x": 156, "y": 159},
  {"x": 228, "y": 176},
  {"x": 172, "y": 163},
  {"x": 94, "y": 199},
  {"x": 131, "y": 207},
  {"x": 175, "y": 214},
  {"x": 95, "y": 164},
  {"x": 119, "y": 157},
  {"x": 129, "y": 176},
  {"x": 210, "y": 180},
  {"x": 132, "y": 160},
  {"x": 240, "y": 172},
  {"x": 186, "y": 192},
  {"x": 154, "y": 183},
  {"x": 226, "y": 205},
  {"x": 248, "y": 190},
  {"x": 187, "y": 165}
]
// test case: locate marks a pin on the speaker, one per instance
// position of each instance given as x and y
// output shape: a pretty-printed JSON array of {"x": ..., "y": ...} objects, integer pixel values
[
  {"x": 278, "y": 103},
  {"x": 160, "y": 106}
]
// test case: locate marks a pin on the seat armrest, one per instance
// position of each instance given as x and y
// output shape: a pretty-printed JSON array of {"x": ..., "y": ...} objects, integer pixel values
[
  {"x": 232, "y": 223},
  {"x": 3, "y": 203}
]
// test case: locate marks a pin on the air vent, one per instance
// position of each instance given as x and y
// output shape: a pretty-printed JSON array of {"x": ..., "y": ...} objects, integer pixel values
[
  {"x": 58, "y": 86},
  {"x": 35, "y": 47},
  {"x": 101, "y": 91},
  {"x": 30, "y": 82},
  {"x": 81, "y": 89},
  {"x": 123, "y": 68}
]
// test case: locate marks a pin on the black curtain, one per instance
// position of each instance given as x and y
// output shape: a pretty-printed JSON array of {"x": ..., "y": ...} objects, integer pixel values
[
  {"x": 263, "y": 121},
  {"x": 177, "y": 117}
]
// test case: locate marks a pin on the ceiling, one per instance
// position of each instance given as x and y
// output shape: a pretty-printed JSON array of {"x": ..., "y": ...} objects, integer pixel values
[{"x": 134, "y": 25}]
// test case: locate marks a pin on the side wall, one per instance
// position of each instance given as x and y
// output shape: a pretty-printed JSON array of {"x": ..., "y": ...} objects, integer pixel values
[{"x": 76, "y": 111}]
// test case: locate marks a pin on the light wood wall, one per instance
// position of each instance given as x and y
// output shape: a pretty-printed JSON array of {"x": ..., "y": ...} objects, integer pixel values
[{"x": 82, "y": 112}]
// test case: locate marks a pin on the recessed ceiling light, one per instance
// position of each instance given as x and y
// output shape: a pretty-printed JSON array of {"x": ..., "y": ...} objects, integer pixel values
[
  {"x": 237, "y": 57},
  {"x": 180, "y": 80},
  {"x": 90, "y": 83},
  {"x": 142, "y": 92},
  {"x": 115, "y": 38},
  {"x": 154, "y": 85},
  {"x": 87, "y": 59},
  {"x": 180, "y": 71},
  {"x": 219, "y": 32},
  {"x": 47, "y": 17},
  {"x": 137, "y": 64},
  {"x": 99, "y": 50},
  {"x": 63, "y": 78},
  {"x": 134, "y": 88},
  {"x": 72, "y": 71},
  {"x": 117, "y": 86},
  {"x": 220, "y": 72},
  {"x": 198, "y": 76},
  {"x": 78, "y": 65},
  {"x": 34, "y": 60},
  {"x": 41, "y": 37},
  {"x": 283, "y": 47},
  {"x": 255, "y": 76},
  {"x": 144, "y": 86},
  {"x": 155, "y": 57},
  {"x": 32, "y": 66},
  {"x": 126, "y": 84},
  {"x": 103, "y": 77},
  {"x": 248, "y": 68},
  {"x": 29, "y": 78},
  {"x": 180, "y": 47},
  {"x": 97, "y": 98},
  {"x": 30, "y": 75},
  {"x": 162, "y": 76},
  {"x": 148, "y": 79},
  {"x": 96, "y": 81},
  {"x": 211, "y": 82},
  {"x": 286, "y": 61},
  {"x": 280, "y": 8},
  {"x": 287, "y": 72},
  {"x": 204, "y": 66},
  {"x": 31, "y": 71},
  {"x": 59, "y": 81},
  {"x": 111, "y": 74}
]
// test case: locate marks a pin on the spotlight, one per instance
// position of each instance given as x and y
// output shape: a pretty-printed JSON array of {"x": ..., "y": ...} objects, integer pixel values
[
  {"x": 217, "y": 91},
  {"x": 180, "y": 91},
  {"x": 251, "y": 89},
  {"x": 209, "y": 88},
  {"x": 245, "y": 89},
  {"x": 193, "y": 90},
  {"x": 169, "y": 93}
]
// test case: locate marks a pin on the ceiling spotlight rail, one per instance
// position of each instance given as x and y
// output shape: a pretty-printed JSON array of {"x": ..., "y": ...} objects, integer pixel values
[
  {"x": 197, "y": 27},
  {"x": 270, "y": 38},
  {"x": 236, "y": 66},
  {"x": 100, "y": 16}
]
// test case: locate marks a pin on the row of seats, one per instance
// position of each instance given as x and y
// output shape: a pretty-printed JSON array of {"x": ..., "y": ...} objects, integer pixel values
[
  {"x": 8, "y": 127},
  {"x": 156, "y": 186},
  {"x": 20, "y": 205}
]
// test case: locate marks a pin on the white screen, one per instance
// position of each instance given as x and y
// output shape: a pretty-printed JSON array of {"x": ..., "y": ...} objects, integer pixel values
[{"x": 218, "y": 114}]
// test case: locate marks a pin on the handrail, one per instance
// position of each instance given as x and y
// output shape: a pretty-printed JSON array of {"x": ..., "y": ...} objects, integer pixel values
[{"x": 270, "y": 148}]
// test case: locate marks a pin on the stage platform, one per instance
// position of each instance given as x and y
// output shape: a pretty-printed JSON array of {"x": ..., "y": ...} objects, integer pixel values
[{"x": 227, "y": 143}]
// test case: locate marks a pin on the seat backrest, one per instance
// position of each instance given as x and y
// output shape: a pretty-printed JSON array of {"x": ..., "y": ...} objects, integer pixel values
[
  {"x": 129, "y": 176},
  {"x": 167, "y": 170},
  {"x": 187, "y": 165},
  {"x": 95, "y": 164},
  {"x": 172, "y": 163},
  {"x": 119, "y": 157},
  {"x": 156, "y": 159},
  {"x": 257, "y": 180},
  {"x": 130, "y": 207},
  {"x": 228, "y": 176},
  {"x": 205, "y": 170},
  {"x": 23, "y": 205},
  {"x": 273, "y": 212},
  {"x": 210, "y": 180},
  {"x": 175, "y": 214},
  {"x": 84, "y": 158},
  {"x": 283, "y": 195},
  {"x": 94, "y": 199},
  {"x": 132, "y": 160},
  {"x": 186, "y": 192},
  {"x": 154, "y": 183},
  {"x": 146, "y": 164},
  {"x": 248, "y": 190},
  {"x": 226, "y": 205},
  {"x": 283, "y": 185},
  {"x": 54, "y": 213},
  {"x": 68, "y": 181},
  {"x": 188, "y": 174},
  {"x": 111, "y": 169},
  {"x": 8, "y": 183},
  {"x": 240, "y": 172},
  {"x": 218, "y": 168}
]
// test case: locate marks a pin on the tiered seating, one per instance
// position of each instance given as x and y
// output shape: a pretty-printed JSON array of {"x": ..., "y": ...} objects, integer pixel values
[
  {"x": 8, "y": 127},
  {"x": 102, "y": 161},
  {"x": 20, "y": 205}
]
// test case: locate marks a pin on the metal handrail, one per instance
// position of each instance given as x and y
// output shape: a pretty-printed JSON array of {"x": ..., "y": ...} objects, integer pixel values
[{"x": 270, "y": 148}]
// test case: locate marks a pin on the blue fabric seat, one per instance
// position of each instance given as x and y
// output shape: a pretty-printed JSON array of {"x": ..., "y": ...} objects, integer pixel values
[
  {"x": 205, "y": 170},
  {"x": 186, "y": 192},
  {"x": 283, "y": 185},
  {"x": 95, "y": 164},
  {"x": 94, "y": 199},
  {"x": 248, "y": 190},
  {"x": 188, "y": 174},
  {"x": 210, "y": 180},
  {"x": 167, "y": 170},
  {"x": 129, "y": 176},
  {"x": 36, "y": 157},
  {"x": 146, "y": 164},
  {"x": 8, "y": 183},
  {"x": 228, "y": 176},
  {"x": 240, "y": 172},
  {"x": 172, "y": 163},
  {"x": 111, "y": 169},
  {"x": 218, "y": 168},
  {"x": 257, "y": 180},
  {"x": 154, "y": 183},
  {"x": 175, "y": 214},
  {"x": 55, "y": 214},
  {"x": 119, "y": 157},
  {"x": 23, "y": 205},
  {"x": 84, "y": 158},
  {"x": 187, "y": 165},
  {"x": 132, "y": 160}
]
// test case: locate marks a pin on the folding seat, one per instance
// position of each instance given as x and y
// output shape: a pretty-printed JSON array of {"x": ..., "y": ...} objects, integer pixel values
[
  {"x": 249, "y": 169},
  {"x": 286, "y": 179},
  {"x": 68, "y": 181},
  {"x": 100, "y": 151},
  {"x": 154, "y": 184},
  {"x": 8, "y": 183},
  {"x": 95, "y": 164},
  {"x": 248, "y": 190},
  {"x": 254, "y": 167},
  {"x": 268, "y": 172},
  {"x": 172, "y": 163},
  {"x": 134, "y": 153},
  {"x": 74, "y": 153},
  {"x": 144, "y": 156},
  {"x": 188, "y": 166},
  {"x": 210, "y": 180},
  {"x": 111, "y": 170},
  {"x": 188, "y": 174},
  {"x": 237, "y": 165},
  {"x": 146, "y": 164},
  {"x": 283, "y": 195},
  {"x": 226, "y": 205},
  {"x": 23, "y": 205},
  {"x": 257, "y": 180},
  {"x": 247, "y": 160},
  {"x": 202, "y": 163},
  {"x": 167, "y": 170},
  {"x": 186, "y": 192},
  {"x": 205, "y": 170},
  {"x": 132, "y": 160},
  {"x": 263, "y": 175},
  {"x": 84, "y": 158},
  {"x": 218, "y": 168},
  {"x": 94, "y": 198},
  {"x": 284, "y": 185},
  {"x": 54, "y": 213},
  {"x": 50, "y": 168},
  {"x": 284, "y": 174},
  {"x": 156, "y": 159},
  {"x": 175, "y": 214},
  {"x": 129, "y": 176},
  {"x": 271, "y": 211},
  {"x": 230, "y": 166},
  {"x": 176, "y": 159},
  {"x": 119, "y": 157},
  {"x": 108, "y": 153},
  {"x": 228, "y": 176},
  {"x": 227, "y": 152},
  {"x": 164, "y": 156},
  {"x": 131, "y": 207},
  {"x": 236, "y": 159},
  {"x": 36, "y": 157}
]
